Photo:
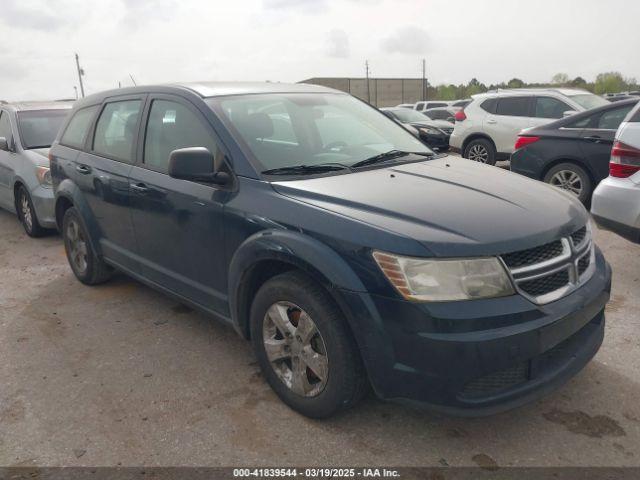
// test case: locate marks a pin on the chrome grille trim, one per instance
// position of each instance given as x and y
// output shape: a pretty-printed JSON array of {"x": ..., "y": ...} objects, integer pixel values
[{"x": 568, "y": 260}]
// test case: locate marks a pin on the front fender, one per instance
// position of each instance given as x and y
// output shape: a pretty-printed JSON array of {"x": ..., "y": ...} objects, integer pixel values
[
  {"x": 297, "y": 249},
  {"x": 68, "y": 190}
]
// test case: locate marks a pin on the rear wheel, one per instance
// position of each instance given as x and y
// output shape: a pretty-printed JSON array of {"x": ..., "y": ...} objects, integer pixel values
[
  {"x": 572, "y": 178},
  {"x": 87, "y": 266},
  {"x": 27, "y": 214},
  {"x": 480, "y": 150},
  {"x": 304, "y": 347}
]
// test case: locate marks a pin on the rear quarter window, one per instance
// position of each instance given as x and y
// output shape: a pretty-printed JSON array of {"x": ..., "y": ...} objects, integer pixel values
[
  {"x": 636, "y": 115},
  {"x": 489, "y": 105},
  {"x": 76, "y": 132}
]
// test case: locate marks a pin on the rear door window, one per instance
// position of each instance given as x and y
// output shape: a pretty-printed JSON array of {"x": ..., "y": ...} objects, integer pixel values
[
  {"x": 116, "y": 130},
  {"x": 513, "y": 106},
  {"x": 549, "y": 107},
  {"x": 76, "y": 132}
]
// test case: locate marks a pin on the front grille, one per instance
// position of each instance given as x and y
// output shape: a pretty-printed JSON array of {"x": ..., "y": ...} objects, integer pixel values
[
  {"x": 534, "y": 255},
  {"x": 584, "y": 263},
  {"x": 544, "y": 274},
  {"x": 543, "y": 285},
  {"x": 578, "y": 237},
  {"x": 448, "y": 131},
  {"x": 495, "y": 382}
]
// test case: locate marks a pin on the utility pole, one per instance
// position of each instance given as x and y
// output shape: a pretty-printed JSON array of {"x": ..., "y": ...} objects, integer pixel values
[
  {"x": 366, "y": 67},
  {"x": 424, "y": 79},
  {"x": 80, "y": 74},
  {"x": 132, "y": 79}
]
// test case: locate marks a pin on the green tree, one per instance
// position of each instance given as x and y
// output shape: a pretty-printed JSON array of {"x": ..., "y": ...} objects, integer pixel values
[
  {"x": 515, "y": 83},
  {"x": 610, "y": 82},
  {"x": 560, "y": 79}
]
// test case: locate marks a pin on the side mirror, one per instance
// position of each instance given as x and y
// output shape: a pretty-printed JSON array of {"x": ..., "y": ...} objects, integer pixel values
[
  {"x": 568, "y": 113},
  {"x": 451, "y": 119},
  {"x": 4, "y": 145},
  {"x": 195, "y": 164}
]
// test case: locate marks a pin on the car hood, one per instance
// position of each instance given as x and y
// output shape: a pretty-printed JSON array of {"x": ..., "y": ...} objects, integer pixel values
[
  {"x": 432, "y": 123},
  {"x": 452, "y": 206},
  {"x": 39, "y": 156}
]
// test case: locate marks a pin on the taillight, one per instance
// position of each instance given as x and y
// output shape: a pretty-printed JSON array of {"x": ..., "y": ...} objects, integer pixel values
[
  {"x": 460, "y": 116},
  {"x": 625, "y": 160},
  {"x": 524, "y": 141}
]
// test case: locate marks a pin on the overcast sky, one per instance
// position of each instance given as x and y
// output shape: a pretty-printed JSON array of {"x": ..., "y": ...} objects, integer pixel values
[{"x": 291, "y": 40}]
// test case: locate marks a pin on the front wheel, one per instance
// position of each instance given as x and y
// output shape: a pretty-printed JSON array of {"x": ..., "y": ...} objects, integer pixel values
[
  {"x": 304, "y": 347},
  {"x": 27, "y": 214},
  {"x": 480, "y": 150}
]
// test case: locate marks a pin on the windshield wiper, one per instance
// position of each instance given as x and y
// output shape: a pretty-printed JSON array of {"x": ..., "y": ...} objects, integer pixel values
[
  {"x": 386, "y": 156},
  {"x": 306, "y": 169}
]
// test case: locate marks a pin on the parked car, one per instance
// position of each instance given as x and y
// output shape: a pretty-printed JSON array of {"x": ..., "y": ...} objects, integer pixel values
[
  {"x": 616, "y": 201},
  {"x": 447, "y": 114},
  {"x": 343, "y": 248},
  {"x": 26, "y": 133},
  {"x": 435, "y": 133},
  {"x": 572, "y": 153},
  {"x": 422, "y": 106},
  {"x": 487, "y": 128}
]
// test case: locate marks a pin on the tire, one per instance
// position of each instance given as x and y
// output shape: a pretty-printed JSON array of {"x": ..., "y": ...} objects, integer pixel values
[
  {"x": 572, "y": 178},
  {"x": 27, "y": 214},
  {"x": 87, "y": 266},
  {"x": 480, "y": 150},
  {"x": 341, "y": 381}
]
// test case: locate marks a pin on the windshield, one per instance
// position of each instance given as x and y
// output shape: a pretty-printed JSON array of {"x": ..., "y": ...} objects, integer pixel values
[
  {"x": 589, "y": 100},
  {"x": 285, "y": 130},
  {"x": 408, "y": 116},
  {"x": 38, "y": 128}
]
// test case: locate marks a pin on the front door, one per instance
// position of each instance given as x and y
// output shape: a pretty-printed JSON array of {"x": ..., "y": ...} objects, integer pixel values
[{"x": 179, "y": 224}]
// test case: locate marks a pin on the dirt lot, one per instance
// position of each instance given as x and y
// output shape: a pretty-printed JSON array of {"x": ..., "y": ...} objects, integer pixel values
[{"x": 119, "y": 374}]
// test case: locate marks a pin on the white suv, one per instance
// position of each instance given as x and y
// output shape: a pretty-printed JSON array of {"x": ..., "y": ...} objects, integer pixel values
[
  {"x": 616, "y": 201},
  {"x": 486, "y": 129}
]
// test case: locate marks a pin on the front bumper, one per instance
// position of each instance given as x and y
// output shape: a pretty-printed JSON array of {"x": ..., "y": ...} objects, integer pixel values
[
  {"x": 479, "y": 357},
  {"x": 43, "y": 203},
  {"x": 440, "y": 142}
]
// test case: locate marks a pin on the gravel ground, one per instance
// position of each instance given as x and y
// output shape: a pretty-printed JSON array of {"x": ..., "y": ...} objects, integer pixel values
[{"x": 122, "y": 375}]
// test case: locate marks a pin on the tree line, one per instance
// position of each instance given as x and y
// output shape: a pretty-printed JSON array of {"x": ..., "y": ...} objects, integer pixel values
[{"x": 608, "y": 82}]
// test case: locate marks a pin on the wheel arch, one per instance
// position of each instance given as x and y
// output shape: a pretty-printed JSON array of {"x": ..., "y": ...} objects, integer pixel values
[
  {"x": 477, "y": 136},
  {"x": 69, "y": 195},
  {"x": 269, "y": 253}
]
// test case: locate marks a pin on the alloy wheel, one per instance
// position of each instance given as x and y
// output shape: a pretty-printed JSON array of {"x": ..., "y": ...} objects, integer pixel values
[
  {"x": 567, "y": 180},
  {"x": 25, "y": 210},
  {"x": 295, "y": 348},
  {"x": 479, "y": 153},
  {"x": 77, "y": 246}
]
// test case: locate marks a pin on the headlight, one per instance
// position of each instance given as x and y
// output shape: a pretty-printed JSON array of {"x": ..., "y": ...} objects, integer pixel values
[
  {"x": 44, "y": 176},
  {"x": 430, "y": 130},
  {"x": 433, "y": 280}
]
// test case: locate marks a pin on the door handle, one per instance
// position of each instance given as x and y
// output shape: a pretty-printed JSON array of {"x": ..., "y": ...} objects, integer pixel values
[
  {"x": 594, "y": 139},
  {"x": 83, "y": 169},
  {"x": 491, "y": 121},
  {"x": 140, "y": 188}
]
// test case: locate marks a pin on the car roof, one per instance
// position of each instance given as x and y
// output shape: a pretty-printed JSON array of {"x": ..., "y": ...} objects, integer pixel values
[
  {"x": 212, "y": 89},
  {"x": 46, "y": 105},
  {"x": 528, "y": 91}
]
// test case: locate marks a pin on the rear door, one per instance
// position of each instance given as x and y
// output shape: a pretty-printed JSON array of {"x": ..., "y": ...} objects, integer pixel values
[
  {"x": 597, "y": 139},
  {"x": 6, "y": 163},
  {"x": 512, "y": 115},
  {"x": 179, "y": 224},
  {"x": 102, "y": 173}
]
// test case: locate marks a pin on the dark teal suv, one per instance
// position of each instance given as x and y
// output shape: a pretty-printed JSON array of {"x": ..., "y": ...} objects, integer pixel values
[{"x": 349, "y": 253}]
